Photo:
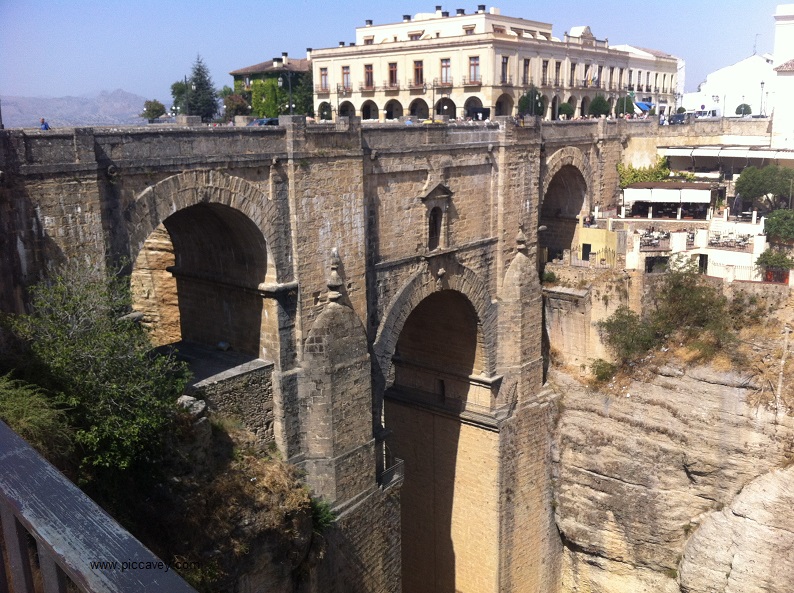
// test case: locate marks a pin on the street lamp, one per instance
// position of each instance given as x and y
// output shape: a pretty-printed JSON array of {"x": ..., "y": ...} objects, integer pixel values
[
  {"x": 289, "y": 84},
  {"x": 761, "y": 108}
]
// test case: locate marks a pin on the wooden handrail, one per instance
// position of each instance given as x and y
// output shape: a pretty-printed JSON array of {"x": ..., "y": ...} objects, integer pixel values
[{"x": 71, "y": 532}]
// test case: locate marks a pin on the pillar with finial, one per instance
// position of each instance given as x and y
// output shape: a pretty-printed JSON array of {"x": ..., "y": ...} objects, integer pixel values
[{"x": 336, "y": 393}]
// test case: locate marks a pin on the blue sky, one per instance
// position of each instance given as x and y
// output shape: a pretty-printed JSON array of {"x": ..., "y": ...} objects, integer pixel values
[{"x": 56, "y": 48}]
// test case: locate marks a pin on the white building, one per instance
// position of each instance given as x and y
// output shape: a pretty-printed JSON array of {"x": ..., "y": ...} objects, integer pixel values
[
  {"x": 750, "y": 81},
  {"x": 783, "y": 122},
  {"x": 479, "y": 65}
]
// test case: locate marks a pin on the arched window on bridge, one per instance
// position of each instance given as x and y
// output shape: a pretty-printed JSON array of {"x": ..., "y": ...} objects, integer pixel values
[{"x": 434, "y": 228}]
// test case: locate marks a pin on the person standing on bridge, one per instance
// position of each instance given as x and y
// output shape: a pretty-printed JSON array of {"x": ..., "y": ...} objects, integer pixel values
[{"x": 44, "y": 124}]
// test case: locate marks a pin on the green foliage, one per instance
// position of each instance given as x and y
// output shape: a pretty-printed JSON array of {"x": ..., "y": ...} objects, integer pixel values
[
  {"x": 201, "y": 96},
  {"x": 179, "y": 96},
  {"x": 602, "y": 370},
  {"x": 779, "y": 226},
  {"x": 685, "y": 305},
  {"x": 118, "y": 395},
  {"x": 549, "y": 277},
  {"x": 599, "y": 106},
  {"x": 565, "y": 109},
  {"x": 322, "y": 515},
  {"x": 769, "y": 187},
  {"x": 235, "y": 105},
  {"x": 225, "y": 92},
  {"x": 152, "y": 109},
  {"x": 626, "y": 334},
  {"x": 266, "y": 98},
  {"x": 681, "y": 110},
  {"x": 624, "y": 105},
  {"x": 303, "y": 94},
  {"x": 744, "y": 109},
  {"x": 531, "y": 102},
  {"x": 774, "y": 259},
  {"x": 656, "y": 172},
  {"x": 34, "y": 417}
]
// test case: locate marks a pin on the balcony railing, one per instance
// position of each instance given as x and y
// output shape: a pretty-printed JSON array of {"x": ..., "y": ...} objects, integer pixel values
[
  {"x": 472, "y": 81},
  {"x": 393, "y": 473},
  {"x": 506, "y": 81},
  {"x": 391, "y": 85},
  {"x": 71, "y": 533},
  {"x": 366, "y": 87},
  {"x": 321, "y": 89},
  {"x": 416, "y": 83},
  {"x": 444, "y": 82}
]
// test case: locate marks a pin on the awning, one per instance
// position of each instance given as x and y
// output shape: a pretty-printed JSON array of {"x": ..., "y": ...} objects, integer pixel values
[
  {"x": 660, "y": 195},
  {"x": 643, "y": 105}
]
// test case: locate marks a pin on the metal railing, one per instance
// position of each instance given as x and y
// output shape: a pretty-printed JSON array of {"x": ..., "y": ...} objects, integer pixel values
[
  {"x": 75, "y": 539},
  {"x": 393, "y": 473},
  {"x": 476, "y": 81}
]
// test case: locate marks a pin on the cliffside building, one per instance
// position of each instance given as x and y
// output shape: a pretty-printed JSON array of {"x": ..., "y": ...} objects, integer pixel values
[{"x": 478, "y": 65}]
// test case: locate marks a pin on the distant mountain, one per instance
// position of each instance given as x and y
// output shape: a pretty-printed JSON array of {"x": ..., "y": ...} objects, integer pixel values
[{"x": 105, "y": 109}]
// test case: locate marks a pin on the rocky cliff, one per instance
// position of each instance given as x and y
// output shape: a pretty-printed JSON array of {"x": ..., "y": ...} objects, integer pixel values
[{"x": 674, "y": 481}]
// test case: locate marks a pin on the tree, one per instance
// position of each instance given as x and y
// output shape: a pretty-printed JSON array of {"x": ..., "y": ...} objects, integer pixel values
[
  {"x": 201, "y": 96},
  {"x": 179, "y": 96},
  {"x": 681, "y": 110},
  {"x": 235, "y": 105},
  {"x": 769, "y": 187},
  {"x": 152, "y": 109},
  {"x": 118, "y": 395},
  {"x": 744, "y": 109},
  {"x": 624, "y": 105},
  {"x": 530, "y": 103},
  {"x": 779, "y": 226},
  {"x": 565, "y": 109},
  {"x": 599, "y": 106}
]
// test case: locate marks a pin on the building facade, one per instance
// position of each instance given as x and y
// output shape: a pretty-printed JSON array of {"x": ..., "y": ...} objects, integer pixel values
[{"x": 478, "y": 65}]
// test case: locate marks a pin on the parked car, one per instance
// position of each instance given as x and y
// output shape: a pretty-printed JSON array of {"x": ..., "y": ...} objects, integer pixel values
[
  {"x": 263, "y": 121},
  {"x": 677, "y": 118}
]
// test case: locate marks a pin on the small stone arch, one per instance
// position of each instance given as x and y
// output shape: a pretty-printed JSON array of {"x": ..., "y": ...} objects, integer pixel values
[
  {"x": 585, "y": 106},
  {"x": 393, "y": 109},
  {"x": 504, "y": 105},
  {"x": 446, "y": 106},
  {"x": 369, "y": 110},
  {"x": 156, "y": 203},
  {"x": 419, "y": 108},
  {"x": 324, "y": 111},
  {"x": 346, "y": 109}
]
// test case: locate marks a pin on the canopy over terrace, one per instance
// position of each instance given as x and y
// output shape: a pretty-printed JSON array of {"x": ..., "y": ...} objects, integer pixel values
[
  {"x": 669, "y": 199},
  {"x": 729, "y": 159}
]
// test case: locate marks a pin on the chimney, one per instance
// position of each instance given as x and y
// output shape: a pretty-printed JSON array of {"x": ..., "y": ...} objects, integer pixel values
[
  {"x": 308, "y": 53},
  {"x": 438, "y": 10},
  {"x": 341, "y": 44},
  {"x": 445, "y": 13},
  {"x": 406, "y": 18},
  {"x": 278, "y": 62},
  {"x": 368, "y": 22},
  {"x": 460, "y": 11},
  {"x": 481, "y": 8},
  {"x": 352, "y": 43},
  {"x": 284, "y": 58}
]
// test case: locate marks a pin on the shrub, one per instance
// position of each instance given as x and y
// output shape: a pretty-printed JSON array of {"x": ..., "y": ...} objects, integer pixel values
[
  {"x": 322, "y": 515},
  {"x": 33, "y": 416},
  {"x": 565, "y": 109},
  {"x": 779, "y": 225},
  {"x": 549, "y": 277},
  {"x": 119, "y": 395},
  {"x": 774, "y": 259},
  {"x": 599, "y": 106},
  {"x": 659, "y": 171},
  {"x": 626, "y": 334},
  {"x": 602, "y": 370}
]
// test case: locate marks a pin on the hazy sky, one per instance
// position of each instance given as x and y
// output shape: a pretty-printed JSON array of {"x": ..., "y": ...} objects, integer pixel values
[{"x": 55, "y": 48}]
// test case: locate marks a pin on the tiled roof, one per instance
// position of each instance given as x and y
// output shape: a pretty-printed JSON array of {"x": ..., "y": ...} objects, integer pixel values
[
  {"x": 295, "y": 65},
  {"x": 786, "y": 67}
]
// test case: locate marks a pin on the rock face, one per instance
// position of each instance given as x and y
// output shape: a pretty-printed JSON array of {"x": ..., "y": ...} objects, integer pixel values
[
  {"x": 748, "y": 546},
  {"x": 645, "y": 471}
]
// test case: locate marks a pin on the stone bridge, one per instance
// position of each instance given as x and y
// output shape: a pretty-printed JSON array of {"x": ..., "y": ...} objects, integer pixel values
[{"x": 383, "y": 278}]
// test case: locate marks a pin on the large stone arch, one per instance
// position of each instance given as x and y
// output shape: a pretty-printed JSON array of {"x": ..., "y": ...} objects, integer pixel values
[
  {"x": 568, "y": 156},
  {"x": 151, "y": 207},
  {"x": 422, "y": 284}
]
